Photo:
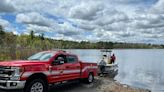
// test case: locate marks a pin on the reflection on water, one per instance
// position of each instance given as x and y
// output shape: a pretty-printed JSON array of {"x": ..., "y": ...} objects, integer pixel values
[
  {"x": 137, "y": 67},
  {"x": 141, "y": 68}
]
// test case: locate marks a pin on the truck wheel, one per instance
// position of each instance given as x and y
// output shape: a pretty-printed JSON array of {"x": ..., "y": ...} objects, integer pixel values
[
  {"x": 90, "y": 78},
  {"x": 37, "y": 85}
]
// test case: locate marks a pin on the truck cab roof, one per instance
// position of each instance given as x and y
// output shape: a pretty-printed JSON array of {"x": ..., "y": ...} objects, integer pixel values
[{"x": 60, "y": 52}]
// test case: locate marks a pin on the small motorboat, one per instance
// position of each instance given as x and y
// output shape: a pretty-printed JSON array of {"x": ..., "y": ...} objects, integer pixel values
[{"x": 111, "y": 69}]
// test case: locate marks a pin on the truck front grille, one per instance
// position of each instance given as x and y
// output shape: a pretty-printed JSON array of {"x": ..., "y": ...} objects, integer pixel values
[{"x": 5, "y": 73}]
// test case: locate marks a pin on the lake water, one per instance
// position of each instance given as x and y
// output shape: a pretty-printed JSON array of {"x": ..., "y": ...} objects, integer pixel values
[{"x": 143, "y": 68}]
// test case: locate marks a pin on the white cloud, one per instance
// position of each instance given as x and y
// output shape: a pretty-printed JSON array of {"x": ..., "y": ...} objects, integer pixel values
[
  {"x": 86, "y": 11},
  {"x": 6, "y": 6},
  {"x": 4, "y": 23},
  {"x": 68, "y": 30},
  {"x": 34, "y": 18},
  {"x": 15, "y": 32},
  {"x": 94, "y": 20},
  {"x": 38, "y": 29},
  {"x": 158, "y": 7}
]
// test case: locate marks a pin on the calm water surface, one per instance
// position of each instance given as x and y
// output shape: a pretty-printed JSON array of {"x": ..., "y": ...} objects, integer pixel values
[{"x": 143, "y": 68}]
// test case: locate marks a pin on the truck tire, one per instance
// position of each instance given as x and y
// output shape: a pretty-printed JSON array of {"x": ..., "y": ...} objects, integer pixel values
[
  {"x": 90, "y": 78},
  {"x": 37, "y": 85}
]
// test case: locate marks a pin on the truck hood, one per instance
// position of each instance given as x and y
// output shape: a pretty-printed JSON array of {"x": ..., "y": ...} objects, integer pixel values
[{"x": 22, "y": 63}]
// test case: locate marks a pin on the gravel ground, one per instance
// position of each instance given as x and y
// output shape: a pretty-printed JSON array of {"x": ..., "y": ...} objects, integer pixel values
[
  {"x": 100, "y": 84},
  {"x": 109, "y": 85}
]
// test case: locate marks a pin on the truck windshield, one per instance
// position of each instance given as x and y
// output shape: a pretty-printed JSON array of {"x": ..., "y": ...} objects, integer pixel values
[{"x": 42, "y": 56}]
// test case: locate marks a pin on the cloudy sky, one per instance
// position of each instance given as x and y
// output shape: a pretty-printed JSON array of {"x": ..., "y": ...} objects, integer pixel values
[{"x": 139, "y": 21}]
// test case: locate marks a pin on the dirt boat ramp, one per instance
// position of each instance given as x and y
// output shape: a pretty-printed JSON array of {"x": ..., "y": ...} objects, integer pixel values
[{"x": 101, "y": 84}]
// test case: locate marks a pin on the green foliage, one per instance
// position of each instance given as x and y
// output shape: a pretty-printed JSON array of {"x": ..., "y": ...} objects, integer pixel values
[{"x": 162, "y": 46}]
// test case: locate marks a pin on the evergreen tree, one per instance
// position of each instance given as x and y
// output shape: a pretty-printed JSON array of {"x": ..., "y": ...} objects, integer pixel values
[
  {"x": 1, "y": 31},
  {"x": 2, "y": 35},
  {"x": 42, "y": 36},
  {"x": 32, "y": 35}
]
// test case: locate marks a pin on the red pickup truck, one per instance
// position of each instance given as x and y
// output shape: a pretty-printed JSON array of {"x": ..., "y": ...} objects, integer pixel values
[{"x": 44, "y": 68}]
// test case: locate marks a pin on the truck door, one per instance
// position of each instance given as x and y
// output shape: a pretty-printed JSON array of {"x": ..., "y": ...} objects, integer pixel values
[
  {"x": 72, "y": 67},
  {"x": 57, "y": 69}
]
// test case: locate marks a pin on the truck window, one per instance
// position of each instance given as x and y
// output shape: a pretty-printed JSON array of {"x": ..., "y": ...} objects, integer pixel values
[
  {"x": 61, "y": 57},
  {"x": 71, "y": 59},
  {"x": 42, "y": 56}
]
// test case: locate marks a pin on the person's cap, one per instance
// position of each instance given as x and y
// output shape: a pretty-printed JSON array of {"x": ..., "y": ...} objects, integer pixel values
[
  {"x": 60, "y": 58},
  {"x": 104, "y": 55}
]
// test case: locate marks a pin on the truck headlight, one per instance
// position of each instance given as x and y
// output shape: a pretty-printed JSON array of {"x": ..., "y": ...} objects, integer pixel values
[{"x": 17, "y": 73}]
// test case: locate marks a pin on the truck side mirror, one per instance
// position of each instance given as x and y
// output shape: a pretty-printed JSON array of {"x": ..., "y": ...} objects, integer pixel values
[
  {"x": 61, "y": 62},
  {"x": 55, "y": 62}
]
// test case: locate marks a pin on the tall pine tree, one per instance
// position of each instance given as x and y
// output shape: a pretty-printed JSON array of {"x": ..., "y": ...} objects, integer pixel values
[
  {"x": 2, "y": 35},
  {"x": 32, "y": 35}
]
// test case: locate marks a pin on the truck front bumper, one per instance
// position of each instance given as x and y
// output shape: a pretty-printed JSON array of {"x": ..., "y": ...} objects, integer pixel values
[{"x": 12, "y": 84}]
